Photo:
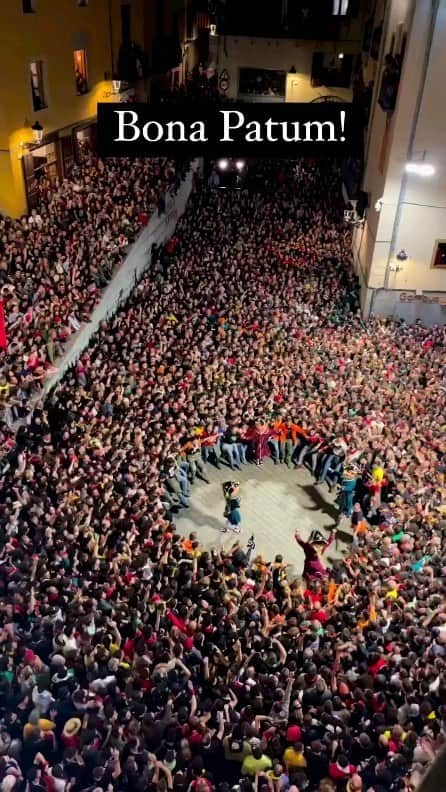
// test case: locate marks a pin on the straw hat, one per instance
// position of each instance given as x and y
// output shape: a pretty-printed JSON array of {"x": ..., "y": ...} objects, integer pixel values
[{"x": 72, "y": 726}]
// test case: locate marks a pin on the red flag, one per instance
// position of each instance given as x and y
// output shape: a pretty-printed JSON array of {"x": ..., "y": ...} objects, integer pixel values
[{"x": 3, "y": 339}]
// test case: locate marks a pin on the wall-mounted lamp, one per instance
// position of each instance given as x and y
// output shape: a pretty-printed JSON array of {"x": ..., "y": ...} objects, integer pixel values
[
  {"x": 340, "y": 55},
  {"x": 402, "y": 255},
  {"x": 418, "y": 165},
  {"x": 37, "y": 129},
  {"x": 379, "y": 205},
  {"x": 116, "y": 83},
  {"x": 213, "y": 30},
  {"x": 420, "y": 168}
]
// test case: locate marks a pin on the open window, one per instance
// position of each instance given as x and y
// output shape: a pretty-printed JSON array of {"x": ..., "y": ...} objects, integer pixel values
[
  {"x": 340, "y": 7},
  {"x": 439, "y": 256},
  {"x": 81, "y": 71},
  {"x": 37, "y": 85}
]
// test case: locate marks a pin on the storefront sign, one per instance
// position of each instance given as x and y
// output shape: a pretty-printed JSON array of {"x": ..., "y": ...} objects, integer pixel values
[{"x": 424, "y": 298}]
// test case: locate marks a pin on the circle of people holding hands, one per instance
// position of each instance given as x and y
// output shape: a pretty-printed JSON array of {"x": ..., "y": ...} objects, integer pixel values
[{"x": 134, "y": 659}]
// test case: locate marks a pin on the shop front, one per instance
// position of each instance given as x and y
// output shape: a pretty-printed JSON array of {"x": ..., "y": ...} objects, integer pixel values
[
  {"x": 41, "y": 170},
  {"x": 49, "y": 162}
]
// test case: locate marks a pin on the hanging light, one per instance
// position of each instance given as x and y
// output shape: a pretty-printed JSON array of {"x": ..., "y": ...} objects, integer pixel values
[
  {"x": 240, "y": 165},
  {"x": 223, "y": 164},
  {"x": 37, "y": 129},
  {"x": 340, "y": 55}
]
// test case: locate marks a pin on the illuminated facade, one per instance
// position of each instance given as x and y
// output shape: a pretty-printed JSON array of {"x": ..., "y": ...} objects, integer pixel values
[
  {"x": 57, "y": 62},
  {"x": 400, "y": 248}
]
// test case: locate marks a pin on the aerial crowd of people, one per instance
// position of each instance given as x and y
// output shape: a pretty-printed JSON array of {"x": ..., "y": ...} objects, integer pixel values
[
  {"x": 133, "y": 658},
  {"x": 55, "y": 262}
]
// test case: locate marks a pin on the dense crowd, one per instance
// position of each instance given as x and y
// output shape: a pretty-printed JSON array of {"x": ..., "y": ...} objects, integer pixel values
[
  {"x": 55, "y": 262},
  {"x": 133, "y": 659}
]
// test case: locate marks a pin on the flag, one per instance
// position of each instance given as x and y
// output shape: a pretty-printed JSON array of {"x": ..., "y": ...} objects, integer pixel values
[
  {"x": 3, "y": 339},
  {"x": 28, "y": 317}
]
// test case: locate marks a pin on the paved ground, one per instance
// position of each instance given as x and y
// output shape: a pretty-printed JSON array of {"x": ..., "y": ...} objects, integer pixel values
[{"x": 275, "y": 502}]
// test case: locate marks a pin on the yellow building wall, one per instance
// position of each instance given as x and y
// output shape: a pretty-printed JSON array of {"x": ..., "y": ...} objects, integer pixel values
[{"x": 51, "y": 35}]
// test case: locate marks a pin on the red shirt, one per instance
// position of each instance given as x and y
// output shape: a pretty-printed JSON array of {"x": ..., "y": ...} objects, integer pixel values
[
  {"x": 315, "y": 597},
  {"x": 320, "y": 615},
  {"x": 376, "y": 667}
]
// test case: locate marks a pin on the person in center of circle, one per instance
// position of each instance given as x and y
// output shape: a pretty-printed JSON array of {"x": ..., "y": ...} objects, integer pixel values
[
  {"x": 347, "y": 492},
  {"x": 231, "y": 492}
]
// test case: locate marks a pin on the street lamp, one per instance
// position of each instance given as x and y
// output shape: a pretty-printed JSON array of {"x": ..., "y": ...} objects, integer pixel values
[
  {"x": 420, "y": 168},
  {"x": 37, "y": 129},
  {"x": 116, "y": 82}
]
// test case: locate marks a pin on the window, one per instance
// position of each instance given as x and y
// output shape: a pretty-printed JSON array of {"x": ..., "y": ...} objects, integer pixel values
[
  {"x": 262, "y": 82},
  {"x": 340, "y": 7},
  {"x": 81, "y": 71},
  {"x": 331, "y": 70},
  {"x": 37, "y": 85},
  {"x": 29, "y": 6},
  {"x": 439, "y": 257}
]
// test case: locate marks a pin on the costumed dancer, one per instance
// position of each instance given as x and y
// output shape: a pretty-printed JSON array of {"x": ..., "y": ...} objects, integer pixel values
[
  {"x": 346, "y": 496},
  {"x": 260, "y": 436},
  {"x": 314, "y": 549},
  {"x": 231, "y": 492}
]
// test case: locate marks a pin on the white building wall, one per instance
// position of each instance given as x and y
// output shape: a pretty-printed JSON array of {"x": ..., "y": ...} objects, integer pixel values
[
  {"x": 236, "y": 52},
  {"x": 413, "y": 213}
]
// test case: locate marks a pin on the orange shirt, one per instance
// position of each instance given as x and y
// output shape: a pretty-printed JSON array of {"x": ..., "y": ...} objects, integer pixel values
[
  {"x": 283, "y": 430},
  {"x": 332, "y": 592},
  {"x": 280, "y": 429}
]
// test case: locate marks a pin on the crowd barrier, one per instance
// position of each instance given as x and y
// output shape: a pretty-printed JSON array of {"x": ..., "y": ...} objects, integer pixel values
[{"x": 158, "y": 230}]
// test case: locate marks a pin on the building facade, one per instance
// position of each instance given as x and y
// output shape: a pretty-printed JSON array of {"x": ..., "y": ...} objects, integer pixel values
[
  {"x": 276, "y": 52},
  {"x": 58, "y": 61},
  {"x": 284, "y": 70},
  {"x": 400, "y": 247}
]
